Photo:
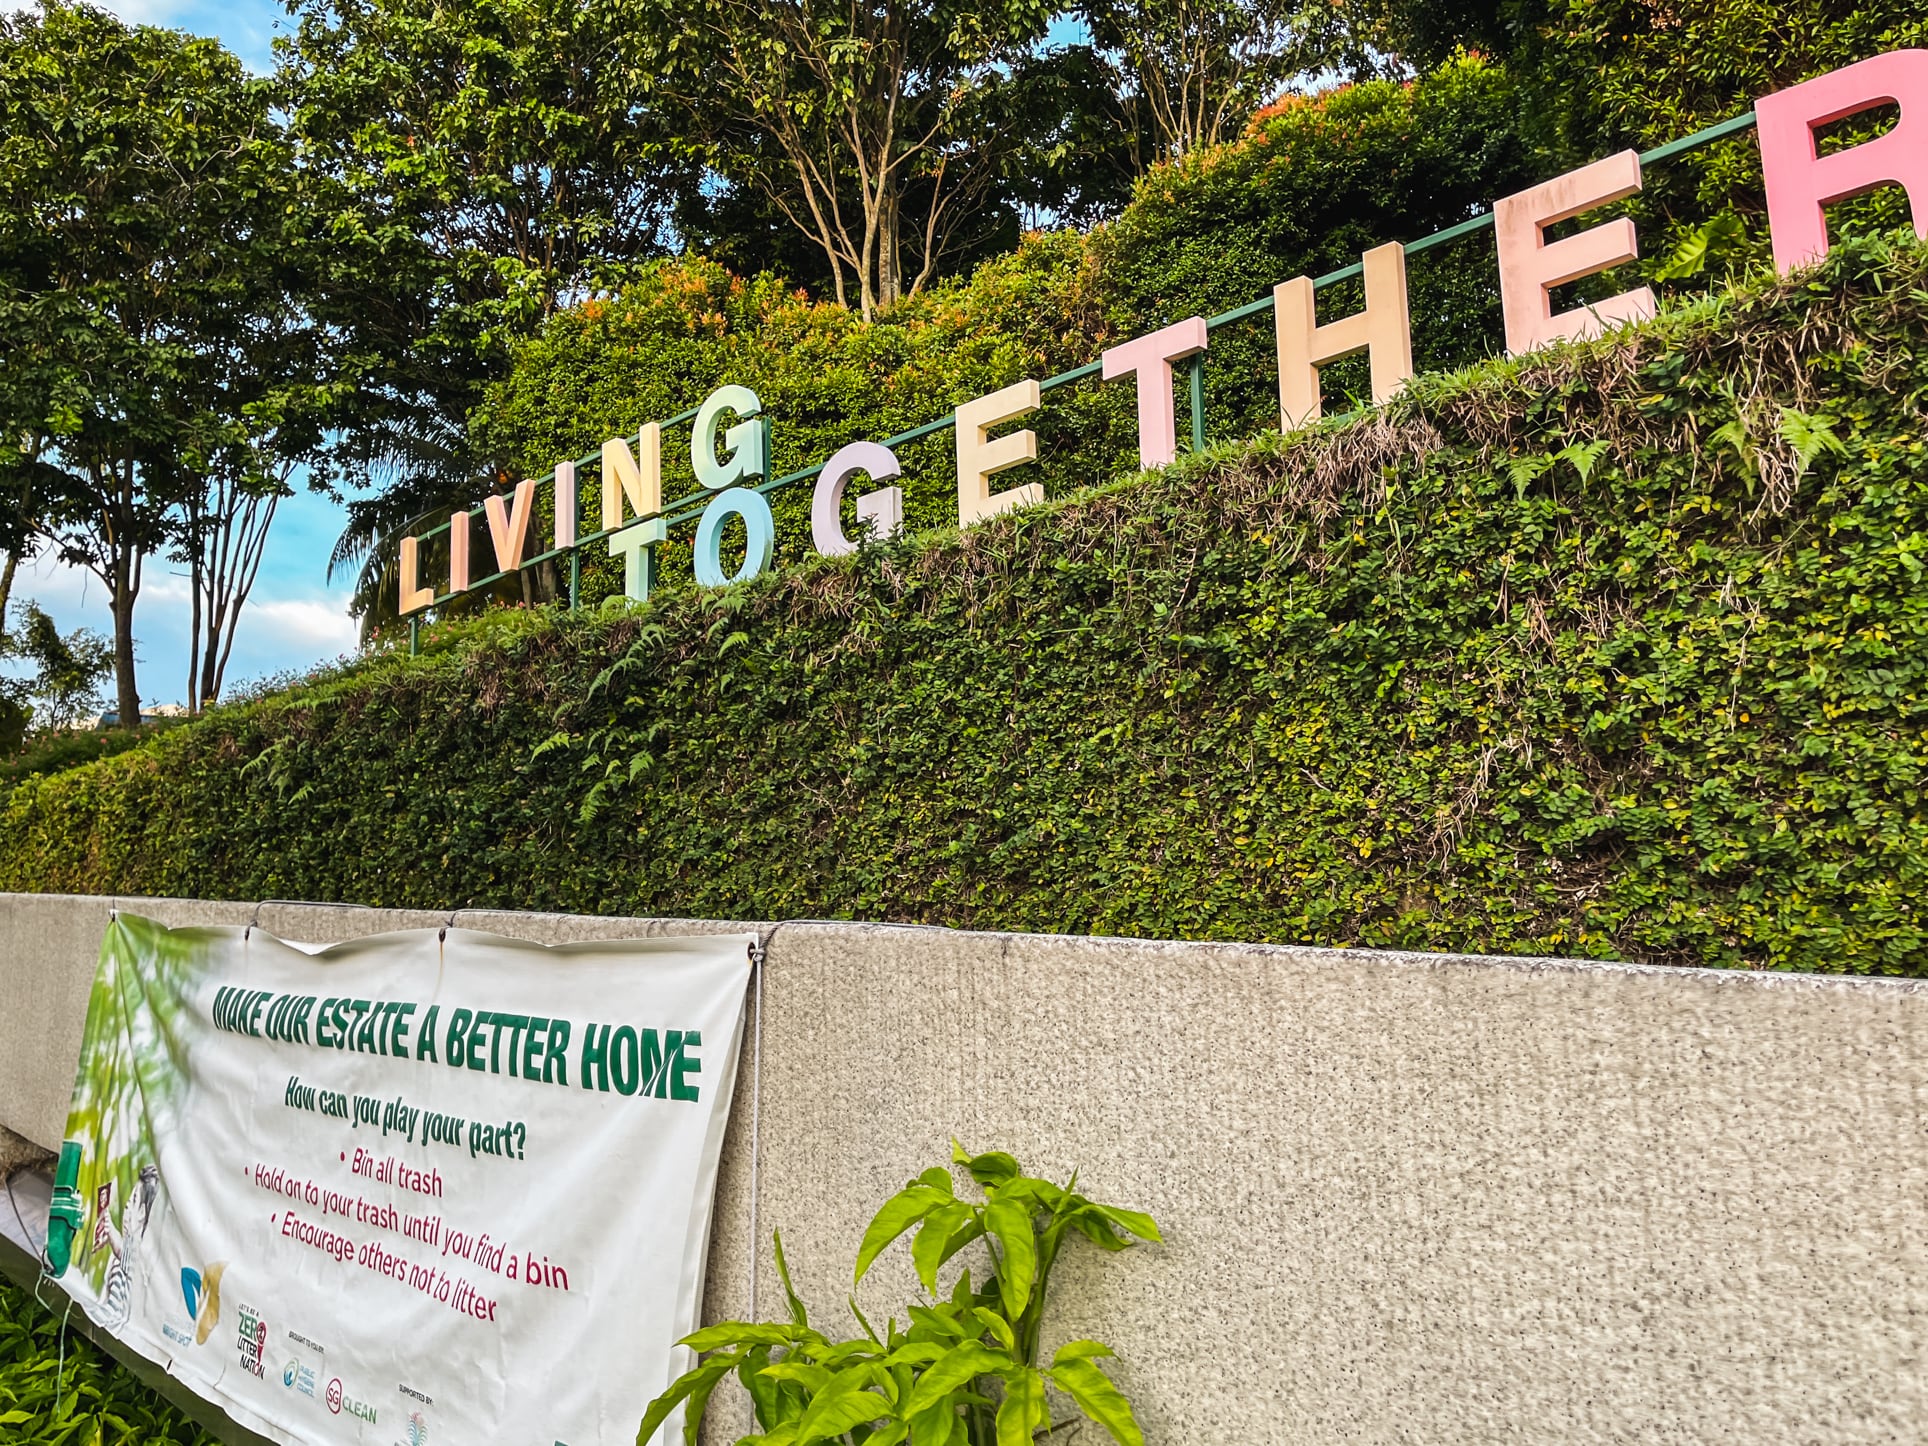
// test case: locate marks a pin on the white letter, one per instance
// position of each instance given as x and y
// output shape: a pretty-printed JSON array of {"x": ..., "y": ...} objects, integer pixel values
[{"x": 882, "y": 508}]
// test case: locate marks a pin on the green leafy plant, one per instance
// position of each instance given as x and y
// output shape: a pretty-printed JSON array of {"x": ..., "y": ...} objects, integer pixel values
[
  {"x": 68, "y": 1392},
  {"x": 964, "y": 1369}
]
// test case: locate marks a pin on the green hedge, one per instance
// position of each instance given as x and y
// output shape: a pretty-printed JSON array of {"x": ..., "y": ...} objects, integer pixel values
[{"x": 1612, "y": 651}]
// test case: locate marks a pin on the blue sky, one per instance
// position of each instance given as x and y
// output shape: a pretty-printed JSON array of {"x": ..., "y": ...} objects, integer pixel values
[{"x": 295, "y": 618}]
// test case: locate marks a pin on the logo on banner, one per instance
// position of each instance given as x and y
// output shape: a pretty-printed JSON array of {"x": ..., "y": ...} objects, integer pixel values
[
  {"x": 201, "y": 1291},
  {"x": 251, "y": 1340},
  {"x": 417, "y": 1429},
  {"x": 299, "y": 1377}
]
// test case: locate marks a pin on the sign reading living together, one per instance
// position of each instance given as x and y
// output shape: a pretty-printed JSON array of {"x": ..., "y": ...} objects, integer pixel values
[{"x": 1800, "y": 183}]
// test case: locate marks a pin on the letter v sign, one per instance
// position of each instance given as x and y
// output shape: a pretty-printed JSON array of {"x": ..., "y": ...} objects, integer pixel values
[{"x": 510, "y": 529}]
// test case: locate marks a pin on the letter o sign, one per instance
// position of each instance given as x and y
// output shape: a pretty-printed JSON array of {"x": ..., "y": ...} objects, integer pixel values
[{"x": 759, "y": 537}]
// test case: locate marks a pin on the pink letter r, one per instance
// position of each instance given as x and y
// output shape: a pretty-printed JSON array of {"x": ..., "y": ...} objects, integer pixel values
[{"x": 1801, "y": 182}]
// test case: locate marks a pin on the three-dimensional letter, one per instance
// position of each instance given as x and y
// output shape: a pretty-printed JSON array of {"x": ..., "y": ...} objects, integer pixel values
[
  {"x": 1151, "y": 357},
  {"x": 1384, "y": 330},
  {"x": 413, "y": 598},
  {"x": 882, "y": 508},
  {"x": 509, "y": 527},
  {"x": 1801, "y": 181},
  {"x": 759, "y": 536},
  {"x": 745, "y": 439},
  {"x": 1531, "y": 266},
  {"x": 979, "y": 457}
]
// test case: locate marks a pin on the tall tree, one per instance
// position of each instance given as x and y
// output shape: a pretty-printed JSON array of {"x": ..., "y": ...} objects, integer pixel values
[
  {"x": 875, "y": 128},
  {"x": 144, "y": 194},
  {"x": 468, "y": 166}
]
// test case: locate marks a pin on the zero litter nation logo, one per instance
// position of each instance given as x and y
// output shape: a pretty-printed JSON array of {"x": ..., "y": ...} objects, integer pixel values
[{"x": 251, "y": 1342}]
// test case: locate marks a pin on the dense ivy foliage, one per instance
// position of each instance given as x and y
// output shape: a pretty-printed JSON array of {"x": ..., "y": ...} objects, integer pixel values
[
  {"x": 74, "y": 1395},
  {"x": 1618, "y": 650}
]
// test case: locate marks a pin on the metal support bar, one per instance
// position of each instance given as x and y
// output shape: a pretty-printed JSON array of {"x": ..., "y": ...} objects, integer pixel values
[{"x": 1198, "y": 402}]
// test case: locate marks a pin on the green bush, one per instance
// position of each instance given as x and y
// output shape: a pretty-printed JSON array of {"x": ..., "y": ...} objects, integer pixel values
[
  {"x": 92, "y": 1402},
  {"x": 1618, "y": 650},
  {"x": 68, "y": 748}
]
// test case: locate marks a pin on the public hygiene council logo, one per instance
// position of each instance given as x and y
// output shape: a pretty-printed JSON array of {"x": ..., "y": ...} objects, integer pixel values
[{"x": 298, "y": 1377}]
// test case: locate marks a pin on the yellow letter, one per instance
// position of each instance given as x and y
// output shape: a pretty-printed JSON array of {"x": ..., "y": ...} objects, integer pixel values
[
  {"x": 1383, "y": 329},
  {"x": 638, "y": 477},
  {"x": 413, "y": 598},
  {"x": 978, "y": 457}
]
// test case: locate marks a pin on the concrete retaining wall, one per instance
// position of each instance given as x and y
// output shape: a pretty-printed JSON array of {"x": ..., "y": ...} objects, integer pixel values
[{"x": 1407, "y": 1198}]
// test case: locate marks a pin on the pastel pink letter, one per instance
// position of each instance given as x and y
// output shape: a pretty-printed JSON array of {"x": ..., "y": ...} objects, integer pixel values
[
  {"x": 1531, "y": 266},
  {"x": 1151, "y": 357},
  {"x": 509, "y": 527},
  {"x": 1800, "y": 182}
]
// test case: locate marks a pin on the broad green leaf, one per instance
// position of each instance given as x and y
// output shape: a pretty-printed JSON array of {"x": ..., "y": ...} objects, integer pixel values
[
  {"x": 703, "y": 1376},
  {"x": 938, "y": 1178},
  {"x": 998, "y": 1326},
  {"x": 1136, "y": 1221},
  {"x": 989, "y": 1169},
  {"x": 736, "y": 1333},
  {"x": 1080, "y": 1351},
  {"x": 945, "y": 1321},
  {"x": 900, "y": 1213},
  {"x": 797, "y": 1312},
  {"x": 1095, "y": 1228},
  {"x": 812, "y": 1377},
  {"x": 957, "y": 1367},
  {"x": 938, "y": 1426},
  {"x": 934, "y": 1243},
  {"x": 835, "y": 1412},
  {"x": 917, "y": 1353},
  {"x": 1023, "y": 1412},
  {"x": 766, "y": 1396},
  {"x": 1099, "y": 1399},
  {"x": 1010, "y": 1223}
]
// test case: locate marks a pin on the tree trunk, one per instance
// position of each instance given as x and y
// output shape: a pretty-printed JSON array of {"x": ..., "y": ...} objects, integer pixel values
[
  {"x": 125, "y": 585},
  {"x": 6, "y": 588}
]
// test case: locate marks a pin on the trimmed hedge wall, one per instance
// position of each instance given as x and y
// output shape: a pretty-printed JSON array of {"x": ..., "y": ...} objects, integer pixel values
[{"x": 1612, "y": 651}]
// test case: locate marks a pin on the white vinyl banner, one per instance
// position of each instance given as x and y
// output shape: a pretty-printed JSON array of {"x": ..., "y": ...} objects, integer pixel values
[{"x": 434, "y": 1186}]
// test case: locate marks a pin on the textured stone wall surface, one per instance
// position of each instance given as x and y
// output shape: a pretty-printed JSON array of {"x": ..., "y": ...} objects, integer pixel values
[{"x": 1407, "y": 1198}]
